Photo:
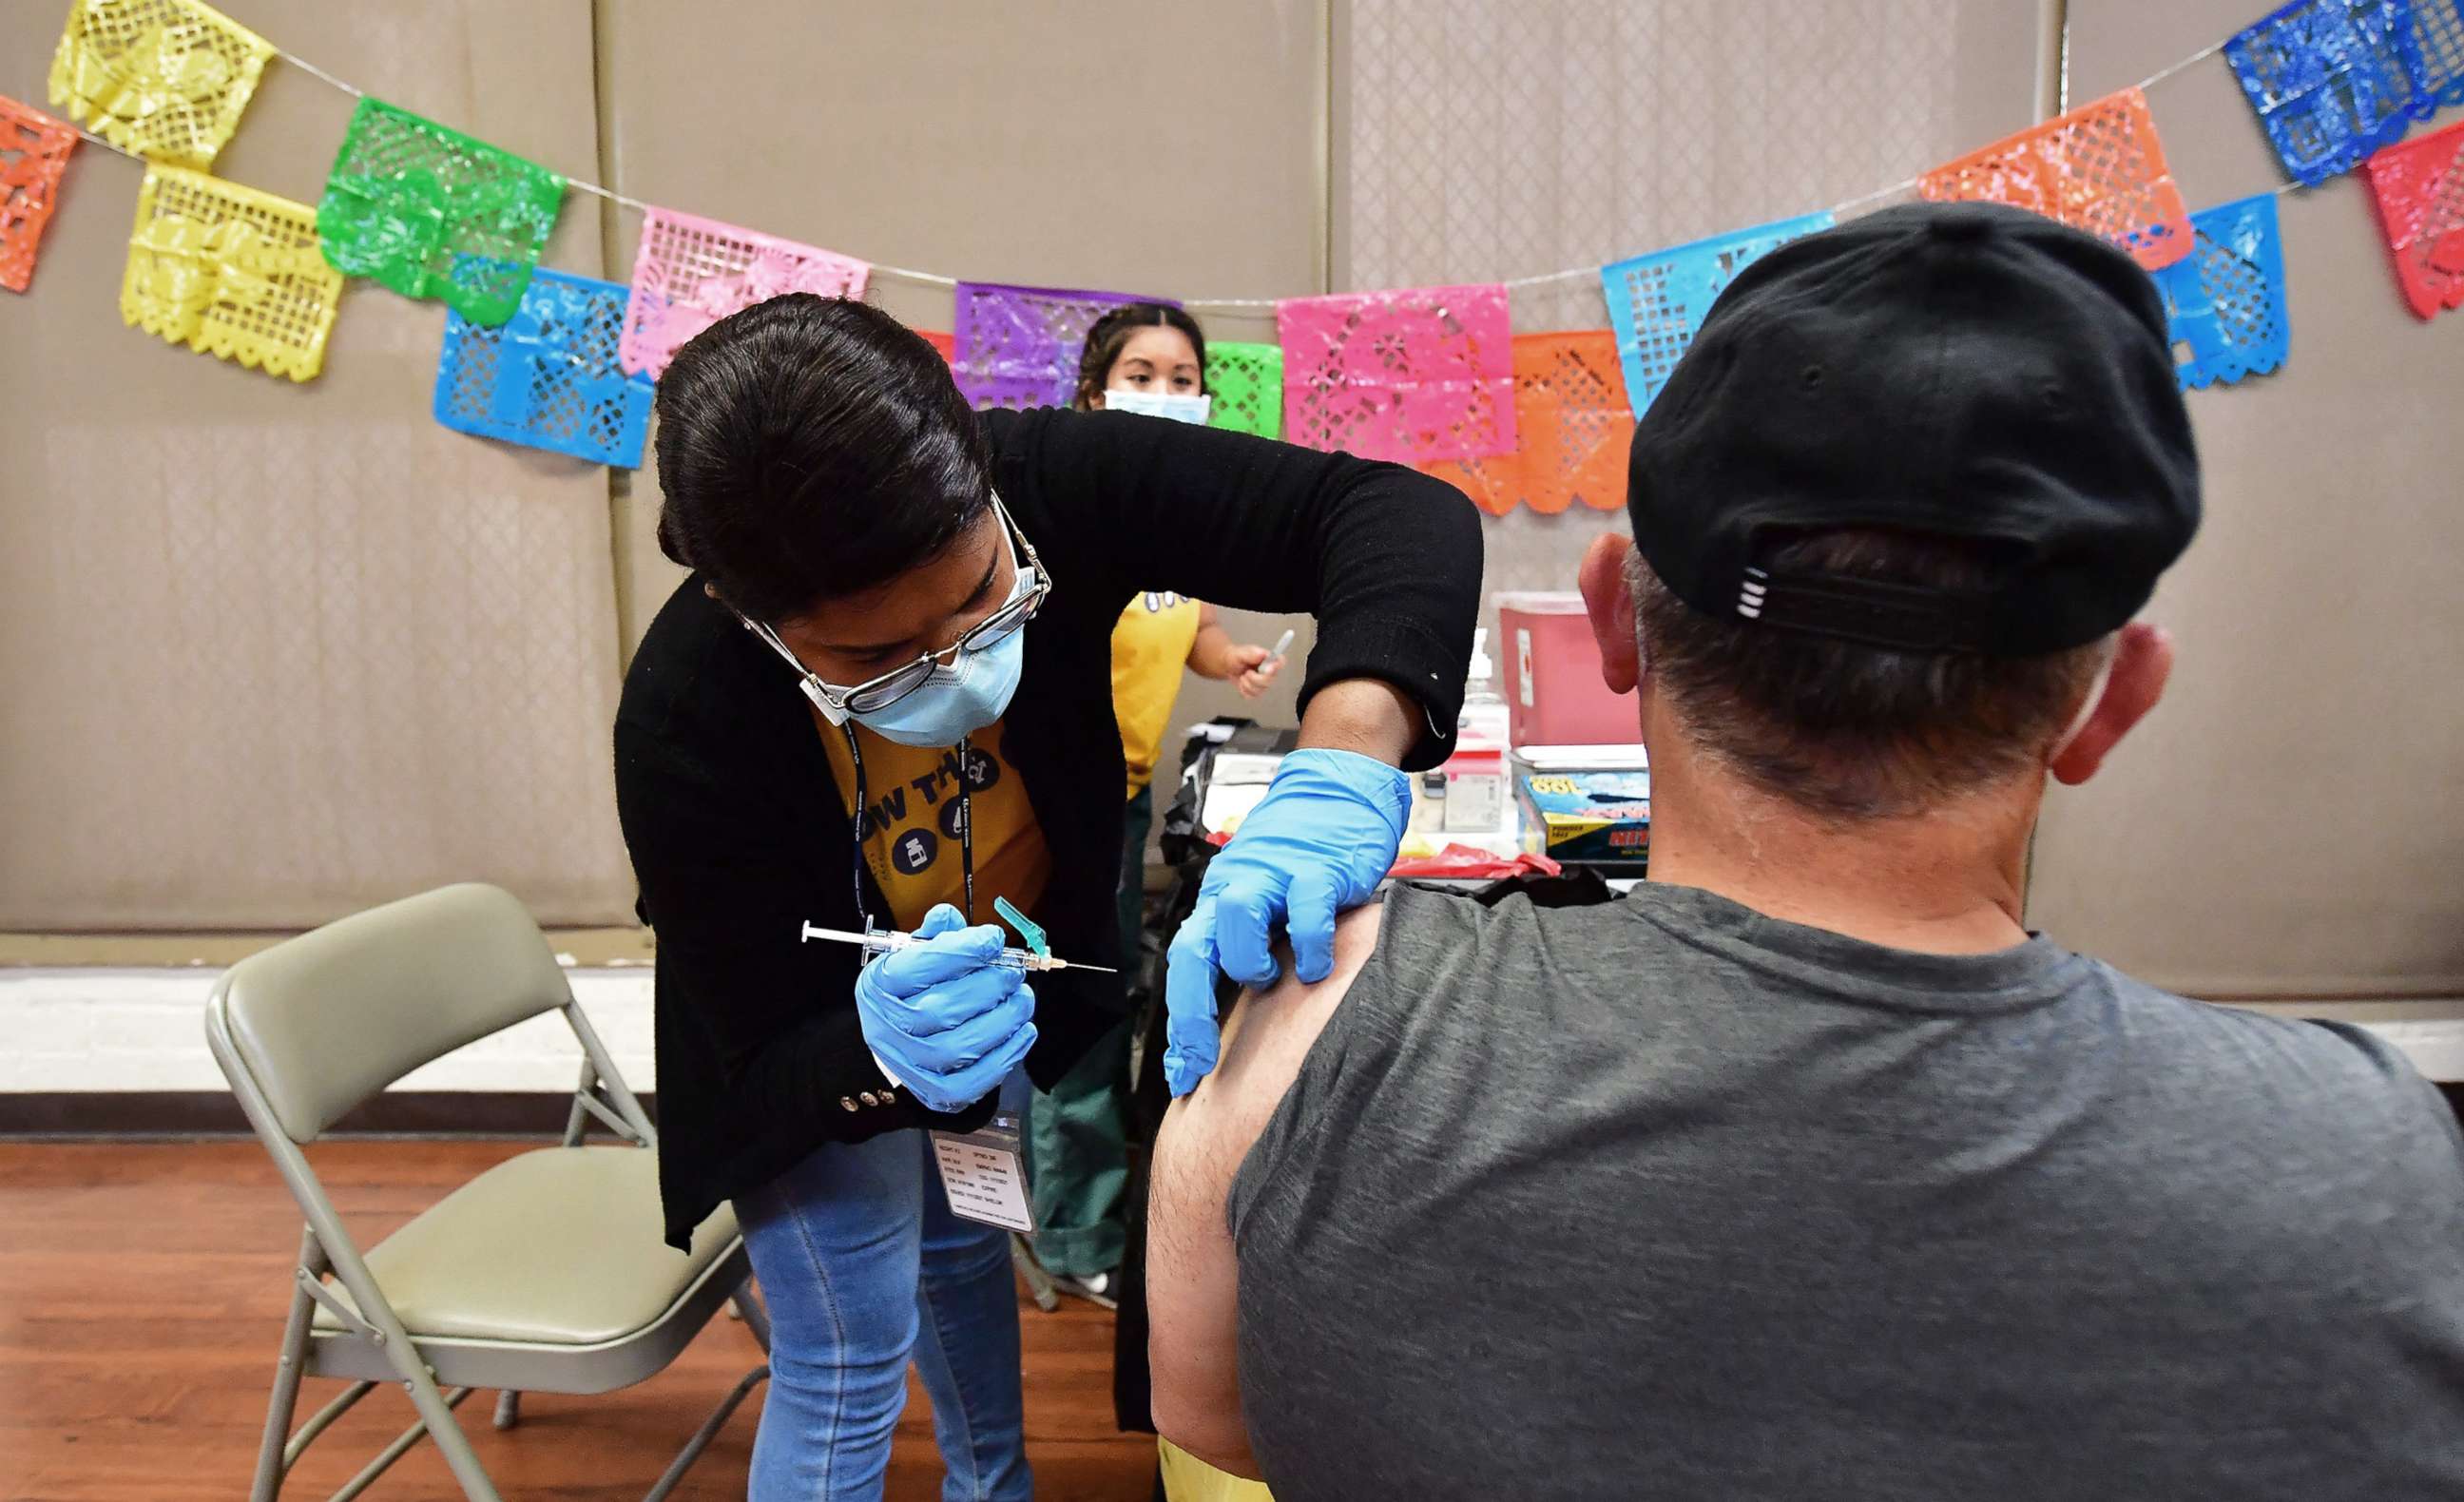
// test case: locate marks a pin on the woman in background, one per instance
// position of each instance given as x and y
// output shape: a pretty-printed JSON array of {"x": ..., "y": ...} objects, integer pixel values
[{"x": 1148, "y": 357}]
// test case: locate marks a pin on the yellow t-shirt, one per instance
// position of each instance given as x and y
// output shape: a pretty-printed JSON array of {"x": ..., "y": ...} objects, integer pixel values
[
  {"x": 910, "y": 832},
  {"x": 1150, "y": 647}
]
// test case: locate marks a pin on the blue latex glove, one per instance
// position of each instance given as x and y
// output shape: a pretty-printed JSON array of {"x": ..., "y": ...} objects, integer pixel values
[
  {"x": 1318, "y": 843},
  {"x": 942, "y": 1017}
]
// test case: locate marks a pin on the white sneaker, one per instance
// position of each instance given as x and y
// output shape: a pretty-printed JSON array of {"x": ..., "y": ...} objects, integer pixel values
[{"x": 1098, "y": 1290}]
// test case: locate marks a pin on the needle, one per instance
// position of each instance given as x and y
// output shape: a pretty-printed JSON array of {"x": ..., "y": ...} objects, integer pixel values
[{"x": 883, "y": 940}]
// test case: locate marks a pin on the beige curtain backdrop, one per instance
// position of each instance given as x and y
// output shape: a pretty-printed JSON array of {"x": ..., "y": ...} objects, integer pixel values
[
  {"x": 1176, "y": 150},
  {"x": 2291, "y": 820},
  {"x": 274, "y": 653},
  {"x": 271, "y": 652}
]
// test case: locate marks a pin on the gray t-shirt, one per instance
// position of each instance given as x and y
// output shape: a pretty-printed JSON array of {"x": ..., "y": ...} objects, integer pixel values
[{"x": 1665, "y": 1199}]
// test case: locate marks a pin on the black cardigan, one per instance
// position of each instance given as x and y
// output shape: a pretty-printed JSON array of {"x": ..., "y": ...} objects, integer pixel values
[{"x": 738, "y": 834}]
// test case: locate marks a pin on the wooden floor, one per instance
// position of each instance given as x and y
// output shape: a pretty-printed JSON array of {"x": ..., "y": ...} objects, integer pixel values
[{"x": 141, "y": 1295}]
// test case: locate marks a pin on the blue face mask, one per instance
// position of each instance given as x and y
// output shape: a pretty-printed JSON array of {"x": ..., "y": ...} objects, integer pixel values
[
  {"x": 966, "y": 695},
  {"x": 1160, "y": 404}
]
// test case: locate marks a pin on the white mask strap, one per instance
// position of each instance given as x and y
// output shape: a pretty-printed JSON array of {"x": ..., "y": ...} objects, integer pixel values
[{"x": 2088, "y": 703}]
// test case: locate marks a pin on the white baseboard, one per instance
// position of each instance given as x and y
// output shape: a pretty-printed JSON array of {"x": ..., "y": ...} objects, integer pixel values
[
  {"x": 77, "y": 1029},
  {"x": 2430, "y": 1032},
  {"x": 2436, "y": 1047}
]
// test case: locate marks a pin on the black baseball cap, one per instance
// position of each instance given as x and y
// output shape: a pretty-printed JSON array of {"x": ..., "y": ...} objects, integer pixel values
[{"x": 1961, "y": 370}]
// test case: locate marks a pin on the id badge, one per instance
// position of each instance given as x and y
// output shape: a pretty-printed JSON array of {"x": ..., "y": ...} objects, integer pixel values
[{"x": 983, "y": 1172}]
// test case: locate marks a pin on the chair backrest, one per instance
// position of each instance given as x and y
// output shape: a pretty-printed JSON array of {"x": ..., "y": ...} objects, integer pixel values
[{"x": 324, "y": 1021}]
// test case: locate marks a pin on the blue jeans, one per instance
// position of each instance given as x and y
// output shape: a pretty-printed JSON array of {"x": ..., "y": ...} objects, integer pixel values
[{"x": 862, "y": 1267}]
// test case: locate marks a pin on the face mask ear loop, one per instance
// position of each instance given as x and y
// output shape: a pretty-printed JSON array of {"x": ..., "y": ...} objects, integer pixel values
[{"x": 2095, "y": 696}]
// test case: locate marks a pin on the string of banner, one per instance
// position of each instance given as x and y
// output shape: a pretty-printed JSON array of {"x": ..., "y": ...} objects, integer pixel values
[{"x": 1430, "y": 376}]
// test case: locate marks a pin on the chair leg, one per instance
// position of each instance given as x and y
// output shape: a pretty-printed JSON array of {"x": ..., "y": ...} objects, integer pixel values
[
  {"x": 436, "y": 1417},
  {"x": 401, "y": 1446},
  {"x": 748, "y": 1307},
  {"x": 509, "y": 1409},
  {"x": 321, "y": 1421},
  {"x": 702, "y": 1436},
  {"x": 284, "y": 1399},
  {"x": 1039, "y": 1283},
  {"x": 435, "y": 1408},
  {"x": 450, "y": 1441}
]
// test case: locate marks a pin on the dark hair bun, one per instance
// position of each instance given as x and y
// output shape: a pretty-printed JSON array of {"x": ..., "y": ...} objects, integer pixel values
[{"x": 810, "y": 448}]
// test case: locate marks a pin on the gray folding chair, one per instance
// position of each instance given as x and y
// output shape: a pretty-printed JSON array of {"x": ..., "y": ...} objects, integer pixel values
[{"x": 546, "y": 1273}]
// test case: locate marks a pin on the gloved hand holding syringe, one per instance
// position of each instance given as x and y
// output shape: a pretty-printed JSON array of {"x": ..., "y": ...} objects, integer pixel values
[{"x": 946, "y": 1010}]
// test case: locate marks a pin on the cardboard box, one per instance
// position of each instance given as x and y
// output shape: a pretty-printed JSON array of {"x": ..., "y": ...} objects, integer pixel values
[{"x": 1595, "y": 815}]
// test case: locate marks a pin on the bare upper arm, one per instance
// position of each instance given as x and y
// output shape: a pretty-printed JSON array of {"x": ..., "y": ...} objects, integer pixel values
[
  {"x": 1267, "y": 1036},
  {"x": 1193, "y": 1277}
]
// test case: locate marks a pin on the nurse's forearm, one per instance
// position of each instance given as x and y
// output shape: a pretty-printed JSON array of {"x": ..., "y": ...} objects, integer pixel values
[{"x": 1369, "y": 716}]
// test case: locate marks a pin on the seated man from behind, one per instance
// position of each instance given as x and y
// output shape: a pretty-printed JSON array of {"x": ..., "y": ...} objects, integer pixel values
[{"x": 1806, "y": 1171}]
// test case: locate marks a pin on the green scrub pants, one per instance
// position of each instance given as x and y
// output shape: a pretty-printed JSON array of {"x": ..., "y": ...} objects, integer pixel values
[{"x": 1077, "y": 1136}]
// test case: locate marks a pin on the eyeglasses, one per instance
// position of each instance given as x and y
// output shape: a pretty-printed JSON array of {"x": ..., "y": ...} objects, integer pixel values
[{"x": 877, "y": 694}]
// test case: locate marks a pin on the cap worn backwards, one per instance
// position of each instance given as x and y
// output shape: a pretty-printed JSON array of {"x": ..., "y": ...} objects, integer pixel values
[{"x": 1958, "y": 370}]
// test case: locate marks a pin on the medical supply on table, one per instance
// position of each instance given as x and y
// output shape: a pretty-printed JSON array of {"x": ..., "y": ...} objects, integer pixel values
[
  {"x": 1586, "y": 803},
  {"x": 1237, "y": 783},
  {"x": 1552, "y": 689},
  {"x": 1484, "y": 715},
  {"x": 1428, "y": 805},
  {"x": 880, "y": 941},
  {"x": 1225, "y": 781},
  {"x": 1458, "y": 862},
  {"x": 1475, "y": 801},
  {"x": 1475, "y": 775}
]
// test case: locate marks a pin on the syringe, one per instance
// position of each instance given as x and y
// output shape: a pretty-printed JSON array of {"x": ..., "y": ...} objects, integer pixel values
[{"x": 884, "y": 940}]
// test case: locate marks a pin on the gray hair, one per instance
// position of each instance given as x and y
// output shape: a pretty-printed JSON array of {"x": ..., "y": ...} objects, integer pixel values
[{"x": 1847, "y": 732}]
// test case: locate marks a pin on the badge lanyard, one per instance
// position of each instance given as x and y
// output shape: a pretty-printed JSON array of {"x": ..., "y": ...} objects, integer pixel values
[
  {"x": 983, "y": 1172},
  {"x": 966, "y": 825}
]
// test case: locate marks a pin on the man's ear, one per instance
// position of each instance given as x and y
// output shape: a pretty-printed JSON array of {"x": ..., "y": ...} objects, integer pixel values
[
  {"x": 1610, "y": 604},
  {"x": 2142, "y": 660}
]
